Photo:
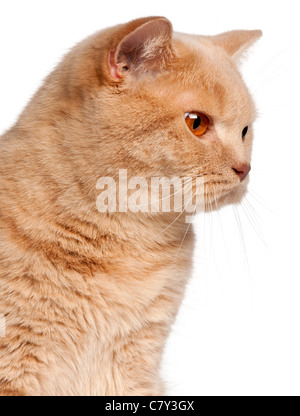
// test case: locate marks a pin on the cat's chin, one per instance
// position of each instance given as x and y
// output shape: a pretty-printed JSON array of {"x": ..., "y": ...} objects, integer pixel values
[{"x": 233, "y": 197}]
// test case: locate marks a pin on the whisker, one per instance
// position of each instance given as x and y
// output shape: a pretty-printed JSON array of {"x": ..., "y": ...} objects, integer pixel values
[
  {"x": 270, "y": 62},
  {"x": 221, "y": 226},
  {"x": 216, "y": 262},
  {"x": 260, "y": 200},
  {"x": 263, "y": 85},
  {"x": 279, "y": 69},
  {"x": 185, "y": 234},
  {"x": 186, "y": 181},
  {"x": 256, "y": 227},
  {"x": 180, "y": 214},
  {"x": 238, "y": 219},
  {"x": 251, "y": 208}
]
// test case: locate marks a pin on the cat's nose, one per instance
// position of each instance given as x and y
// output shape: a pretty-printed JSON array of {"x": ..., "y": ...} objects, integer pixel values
[{"x": 242, "y": 170}]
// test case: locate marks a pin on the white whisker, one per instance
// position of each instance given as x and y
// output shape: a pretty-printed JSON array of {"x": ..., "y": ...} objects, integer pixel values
[{"x": 240, "y": 228}]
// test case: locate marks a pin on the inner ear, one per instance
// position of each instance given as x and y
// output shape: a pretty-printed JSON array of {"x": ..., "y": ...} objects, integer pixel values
[{"x": 147, "y": 48}]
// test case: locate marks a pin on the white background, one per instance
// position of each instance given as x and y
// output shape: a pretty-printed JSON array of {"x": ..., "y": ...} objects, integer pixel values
[{"x": 238, "y": 330}]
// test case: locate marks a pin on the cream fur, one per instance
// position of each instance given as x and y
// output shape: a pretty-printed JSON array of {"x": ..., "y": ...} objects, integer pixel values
[{"x": 89, "y": 298}]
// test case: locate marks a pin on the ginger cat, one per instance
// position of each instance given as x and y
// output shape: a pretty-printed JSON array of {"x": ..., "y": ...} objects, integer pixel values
[{"x": 88, "y": 298}]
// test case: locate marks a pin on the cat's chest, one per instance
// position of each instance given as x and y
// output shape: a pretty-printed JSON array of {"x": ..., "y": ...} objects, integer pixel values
[
  {"x": 140, "y": 293},
  {"x": 132, "y": 284},
  {"x": 117, "y": 311},
  {"x": 142, "y": 306}
]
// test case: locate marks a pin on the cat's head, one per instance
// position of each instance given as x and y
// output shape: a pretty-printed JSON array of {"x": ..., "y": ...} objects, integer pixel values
[{"x": 170, "y": 104}]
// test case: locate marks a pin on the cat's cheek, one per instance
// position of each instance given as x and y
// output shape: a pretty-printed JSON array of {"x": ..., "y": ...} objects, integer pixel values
[{"x": 209, "y": 137}]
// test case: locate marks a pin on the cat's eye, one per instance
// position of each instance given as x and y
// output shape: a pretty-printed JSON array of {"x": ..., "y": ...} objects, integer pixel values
[
  {"x": 245, "y": 131},
  {"x": 198, "y": 123}
]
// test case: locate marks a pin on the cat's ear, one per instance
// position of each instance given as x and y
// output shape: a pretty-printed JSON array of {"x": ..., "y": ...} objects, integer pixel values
[
  {"x": 237, "y": 42},
  {"x": 145, "y": 46}
]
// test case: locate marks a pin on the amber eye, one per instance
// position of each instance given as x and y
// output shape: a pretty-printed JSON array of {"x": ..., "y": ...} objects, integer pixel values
[{"x": 197, "y": 122}]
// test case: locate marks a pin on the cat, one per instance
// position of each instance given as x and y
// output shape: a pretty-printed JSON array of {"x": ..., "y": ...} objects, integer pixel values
[{"x": 89, "y": 297}]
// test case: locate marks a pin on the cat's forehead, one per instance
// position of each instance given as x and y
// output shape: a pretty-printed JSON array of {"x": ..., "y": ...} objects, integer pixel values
[{"x": 207, "y": 79}]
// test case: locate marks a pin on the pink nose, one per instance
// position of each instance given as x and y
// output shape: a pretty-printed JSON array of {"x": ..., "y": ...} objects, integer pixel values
[{"x": 242, "y": 170}]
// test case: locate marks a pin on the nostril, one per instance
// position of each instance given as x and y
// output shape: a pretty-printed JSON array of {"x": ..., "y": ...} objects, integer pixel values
[{"x": 242, "y": 170}]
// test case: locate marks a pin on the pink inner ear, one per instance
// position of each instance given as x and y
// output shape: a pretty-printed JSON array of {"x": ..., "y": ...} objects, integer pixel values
[
  {"x": 113, "y": 66},
  {"x": 146, "y": 48}
]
